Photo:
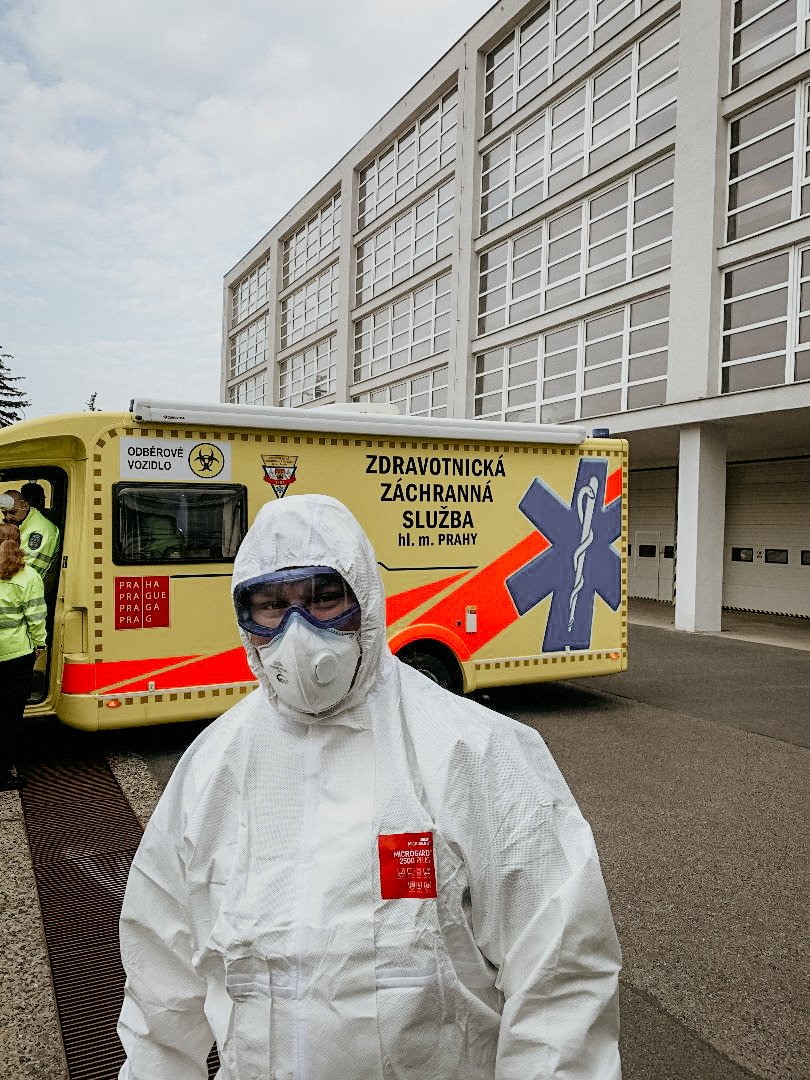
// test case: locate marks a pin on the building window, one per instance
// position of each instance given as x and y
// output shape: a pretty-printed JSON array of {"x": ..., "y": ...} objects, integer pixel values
[
  {"x": 755, "y": 323},
  {"x": 562, "y": 372},
  {"x": 513, "y": 174},
  {"x": 249, "y": 391},
  {"x": 548, "y": 44},
  {"x": 606, "y": 364},
  {"x": 404, "y": 332},
  {"x": 805, "y": 557},
  {"x": 248, "y": 347},
  {"x": 412, "y": 159},
  {"x": 801, "y": 350},
  {"x": 778, "y": 556},
  {"x": 620, "y": 234},
  {"x": 424, "y": 395},
  {"x": 766, "y": 322},
  {"x": 647, "y": 352},
  {"x": 310, "y": 307},
  {"x": 769, "y": 181},
  {"x": 571, "y": 41},
  {"x": 250, "y": 292},
  {"x": 517, "y": 69},
  {"x": 313, "y": 241},
  {"x": 764, "y": 34},
  {"x": 308, "y": 375},
  {"x": 510, "y": 281},
  {"x": 742, "y": 554},
  {"x": 624, "y": 106},
  {"x": 420, "y": 237}
]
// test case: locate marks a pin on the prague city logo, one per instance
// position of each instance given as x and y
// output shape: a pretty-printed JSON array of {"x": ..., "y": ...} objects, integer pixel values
[
  {"x": 206, "y": 460},
  {"x": 279, "y": 472}
]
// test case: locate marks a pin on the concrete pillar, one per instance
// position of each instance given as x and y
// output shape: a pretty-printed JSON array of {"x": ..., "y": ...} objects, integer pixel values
[
  {"x": 700, "y": 170},
  {"x": 465, "y": 269},
  {"x": 701, "y": 528},
  {"x": 344, "y": 337}
]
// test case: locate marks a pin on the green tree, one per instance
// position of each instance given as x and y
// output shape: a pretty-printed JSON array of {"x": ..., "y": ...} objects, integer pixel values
[{"x": 12, "y": 399}]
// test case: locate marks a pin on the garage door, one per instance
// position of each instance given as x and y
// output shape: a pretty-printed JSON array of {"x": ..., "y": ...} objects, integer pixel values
[
  {"x": 767, "y": 546},
  {"x": 652, "y": 533}
]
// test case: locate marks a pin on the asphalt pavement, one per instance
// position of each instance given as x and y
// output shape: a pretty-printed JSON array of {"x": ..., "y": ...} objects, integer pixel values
[{"x": 692, "y": 768}]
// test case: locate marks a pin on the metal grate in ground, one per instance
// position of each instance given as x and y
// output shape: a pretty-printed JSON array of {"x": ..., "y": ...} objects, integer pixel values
[{"x": 83, "y": 834}]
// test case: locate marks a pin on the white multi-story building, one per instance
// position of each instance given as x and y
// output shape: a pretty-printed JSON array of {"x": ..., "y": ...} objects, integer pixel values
[{"x": 588, "y": 210}]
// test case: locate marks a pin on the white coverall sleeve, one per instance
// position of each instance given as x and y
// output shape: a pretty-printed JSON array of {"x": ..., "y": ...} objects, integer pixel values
[
  {"x": 542, "y": 917},
  {"x": 162, "y": 1025}
]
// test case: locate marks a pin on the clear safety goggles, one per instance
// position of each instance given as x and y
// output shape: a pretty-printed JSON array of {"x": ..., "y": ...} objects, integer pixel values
[{"x": 264, "y": 605}]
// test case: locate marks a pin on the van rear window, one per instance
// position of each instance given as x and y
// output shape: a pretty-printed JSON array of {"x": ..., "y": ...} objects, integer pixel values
[{"x": 177, "y": 523}]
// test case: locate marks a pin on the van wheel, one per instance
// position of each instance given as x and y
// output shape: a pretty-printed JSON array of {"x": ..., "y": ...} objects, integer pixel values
[{"x": 433, "y": 667}]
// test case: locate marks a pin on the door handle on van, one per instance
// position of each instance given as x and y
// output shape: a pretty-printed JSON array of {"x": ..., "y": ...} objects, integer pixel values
[{"x": 75, "y": 631}]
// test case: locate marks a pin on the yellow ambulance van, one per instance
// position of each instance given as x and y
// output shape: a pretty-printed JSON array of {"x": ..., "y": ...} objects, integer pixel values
[{"x": 502, "y": 546}]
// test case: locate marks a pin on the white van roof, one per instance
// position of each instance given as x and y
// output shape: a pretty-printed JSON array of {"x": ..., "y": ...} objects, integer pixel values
[{"x": 349, "y": 421}]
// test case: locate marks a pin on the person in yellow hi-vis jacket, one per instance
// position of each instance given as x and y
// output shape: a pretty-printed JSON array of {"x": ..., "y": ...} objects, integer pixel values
[
  {"x": 22, "y": 637},
  {"x": 39, "y": 538}
]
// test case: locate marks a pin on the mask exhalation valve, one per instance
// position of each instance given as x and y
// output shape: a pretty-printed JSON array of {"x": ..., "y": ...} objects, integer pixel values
[{"x": 324, "y": 668}]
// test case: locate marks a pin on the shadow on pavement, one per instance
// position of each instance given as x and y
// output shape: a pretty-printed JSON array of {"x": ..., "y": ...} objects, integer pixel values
[
  {"x": 557, "y": 698},
  {"x": 656, "y": 1047}
]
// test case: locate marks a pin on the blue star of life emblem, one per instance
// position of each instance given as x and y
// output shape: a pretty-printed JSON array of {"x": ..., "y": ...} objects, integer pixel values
[{"x": 580, "y": 561}]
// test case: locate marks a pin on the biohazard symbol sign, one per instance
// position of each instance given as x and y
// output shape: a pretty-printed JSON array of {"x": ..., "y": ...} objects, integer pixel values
[
  {"x": 279, "y": 472},
  {"x": 206, "y": 460}
]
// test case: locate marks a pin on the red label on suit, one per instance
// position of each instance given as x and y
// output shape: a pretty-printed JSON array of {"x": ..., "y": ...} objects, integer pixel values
[{"x": 406, "y": 866}]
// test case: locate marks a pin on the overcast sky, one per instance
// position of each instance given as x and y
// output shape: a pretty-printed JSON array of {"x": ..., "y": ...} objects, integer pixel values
[{"x": 148, "y": 144}]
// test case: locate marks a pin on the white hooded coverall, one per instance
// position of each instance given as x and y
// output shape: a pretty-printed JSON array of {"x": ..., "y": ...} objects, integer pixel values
[{"x": 253, "y": 912}]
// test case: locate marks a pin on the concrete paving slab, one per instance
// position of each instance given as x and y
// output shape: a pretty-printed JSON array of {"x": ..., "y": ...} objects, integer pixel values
[
  {"x": 137, "y": 782},
  {"x": 30, "y": 1039},
  {"x": 785, "y": 631}
]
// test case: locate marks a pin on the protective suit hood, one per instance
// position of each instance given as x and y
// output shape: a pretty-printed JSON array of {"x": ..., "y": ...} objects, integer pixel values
[{"x": 316, "y": 530}]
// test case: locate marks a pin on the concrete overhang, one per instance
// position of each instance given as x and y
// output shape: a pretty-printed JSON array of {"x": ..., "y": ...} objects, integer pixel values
[{"x": 769, "y": 423}]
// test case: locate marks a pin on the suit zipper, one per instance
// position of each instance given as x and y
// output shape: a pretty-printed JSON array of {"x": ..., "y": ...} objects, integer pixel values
[{"x": 311, "y": 794}]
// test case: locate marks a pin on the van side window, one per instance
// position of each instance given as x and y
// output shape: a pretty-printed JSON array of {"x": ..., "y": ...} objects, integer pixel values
[{"x": 167, "y": 523}]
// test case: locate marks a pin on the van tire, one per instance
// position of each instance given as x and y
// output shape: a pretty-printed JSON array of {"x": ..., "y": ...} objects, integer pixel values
[{"x": 433, "y": 667}]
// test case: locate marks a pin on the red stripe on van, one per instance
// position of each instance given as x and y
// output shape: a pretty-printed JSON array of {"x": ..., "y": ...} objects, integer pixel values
[
  {"x": 222, "y": 669},
  {"x": 400, "y": 604},
  {"x": 613, "y": 487},
  {"x": 485, "y": 591},
  {"x": 86, "y": 678}
]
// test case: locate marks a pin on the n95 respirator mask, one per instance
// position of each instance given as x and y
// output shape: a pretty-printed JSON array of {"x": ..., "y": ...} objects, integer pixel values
[{"x": 311, "y": 669}]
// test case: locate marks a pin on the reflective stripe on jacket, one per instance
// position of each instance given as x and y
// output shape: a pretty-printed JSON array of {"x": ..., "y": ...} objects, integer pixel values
[
  {"x": 22, "y": 614},
  {"x": 39, "y": 539}
]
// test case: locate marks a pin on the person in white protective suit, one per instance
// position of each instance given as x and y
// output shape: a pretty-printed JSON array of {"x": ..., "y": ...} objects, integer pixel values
[{"x": 354, "y": 874}]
